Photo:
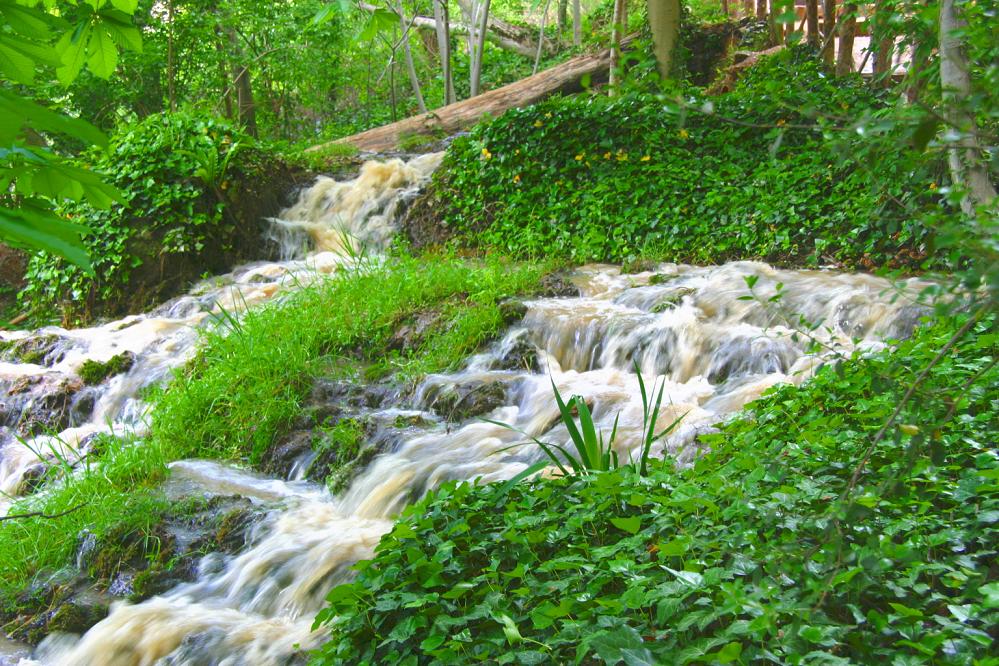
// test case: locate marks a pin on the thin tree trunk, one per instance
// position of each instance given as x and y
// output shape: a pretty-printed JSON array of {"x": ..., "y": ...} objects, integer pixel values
[
  {"x": 747, "y": 7},
  {"x": 171, "y": 65},
  {"x": 847, "y": 31},
  {"x": 883, "y": 42},
  {"x": 761, "y": 9},
  {"x": 563, "y": 16},
  {"x": 479, "y": 46},
  {"x": 968, "y": 169},
  {"x": 407, "y": 52},
  {"x": 541, "y": 38},
  {"x": 615, "y": 48},
  {"x": 224, "y": 83},
  {"x": 828, "y": 27},
  {"x": 725, "y": 7},
  {"x": 812, "y": 22},
  {"x": 247, "y": 110},
  {"x": 444, "y": 48},
  {"x": 664, "y": 20},
  {"x": 577, "y": 23}
]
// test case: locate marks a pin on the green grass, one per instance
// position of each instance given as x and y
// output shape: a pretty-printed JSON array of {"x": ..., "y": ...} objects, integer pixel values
[
  {"x": 248, "y": 381},
  {"x": 762, "y": 552}
]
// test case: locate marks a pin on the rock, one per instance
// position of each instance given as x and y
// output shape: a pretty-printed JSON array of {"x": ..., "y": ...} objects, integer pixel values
[
  {"x": 34, "y": 404},
  {"x": 95, "y": 372},
  {"x": 463, "y": 401},
  {"x": 557, "y": 284},
  {"x": 512, "y": 310},
  {"x": 638, "y": 266},
  {"x": 661, "y": 278},
  {"x": 672, "y": 299},
  {"x": 521, "y": 355},
  {"x": 409, "y": 336},
  {"x": 46, "y": 350}
]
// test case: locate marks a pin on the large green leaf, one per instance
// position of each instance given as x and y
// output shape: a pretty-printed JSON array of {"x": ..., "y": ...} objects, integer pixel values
[
  {"x": 103, "y": 53},
  {"x": 72, "y": 50},
  {"x": 32, "y": 227},
  {"x": 16, "y": 111}
]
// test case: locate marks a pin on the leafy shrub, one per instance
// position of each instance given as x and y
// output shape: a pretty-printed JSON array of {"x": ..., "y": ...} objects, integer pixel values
[
  {"x": 174, "y": 171},
  {"x": 751, "y": 173},
  {"x": 750, "y": 555}
]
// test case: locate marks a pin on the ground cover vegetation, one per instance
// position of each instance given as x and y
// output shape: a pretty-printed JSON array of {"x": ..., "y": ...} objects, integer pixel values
[
  {"x": 248, "y": 382},
  {"x": 798, "y": 537}
]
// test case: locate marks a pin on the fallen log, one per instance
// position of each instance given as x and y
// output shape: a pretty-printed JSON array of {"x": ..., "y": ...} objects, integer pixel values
[
  {"x": 447, "y": 120},
  {"x": 743, "y": 61},
  {"x": 505, "y": 35}
]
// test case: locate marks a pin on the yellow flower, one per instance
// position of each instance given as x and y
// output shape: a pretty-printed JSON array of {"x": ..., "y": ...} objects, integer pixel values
[
  {"x": 580, "y": 156},
  {"x": 607, "y": 155},
  {"x": 622, "y": 156},
  {"x": 517, "y": 152},
  {"x": 683, "y": 134},
  {"x": 548, "y": 115},
  {"x": 486, "y": 154},
  {"x": 516, "y": 178},
  {"x": 781, "y": 122},
  {"x": 933, "y": 186},
  {"x": 646, "y": 158},
  {"x": 537, "y": 123}
]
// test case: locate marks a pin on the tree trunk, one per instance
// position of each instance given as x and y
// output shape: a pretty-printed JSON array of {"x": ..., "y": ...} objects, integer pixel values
[
  {"x": 171, "y": 65},
  {"x": 883, "y": 42},
  {"x": 968, "y": 170},
  {"x": 564, "y": 78},
  {"x": 812, "y": 22},
  {"x": 577, "y": 23},
  {"x": 563, "y": 16},
  {"x": 247, "y": 110},
  {"x": 414, "y": 80},
  {"x": 747, "y": 7},
  {"x": 443, "y": 31},
  {"x": 224, "y": 82},
  {"x": 617, "y": 22},
  {"x": 505, "y": 35},
  {"x": 828, "y": 27},
  {"x": 664, "y": 20},
  {"x": 848, "y": 30},
  {"x": 761, "y": 9},
  {"x": 541, "y": 37},
  {"x": 479, "y": 45}
]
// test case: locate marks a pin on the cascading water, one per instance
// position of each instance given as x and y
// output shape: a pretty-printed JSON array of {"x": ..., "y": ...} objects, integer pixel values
[{"x": 689, "y": 327}]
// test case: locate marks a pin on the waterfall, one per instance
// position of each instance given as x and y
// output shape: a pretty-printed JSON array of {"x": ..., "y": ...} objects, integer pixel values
[{"x": 689, "y": 328}]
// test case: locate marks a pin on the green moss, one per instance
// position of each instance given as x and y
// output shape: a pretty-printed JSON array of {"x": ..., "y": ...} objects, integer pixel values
[{"x": 95, "y": 372}]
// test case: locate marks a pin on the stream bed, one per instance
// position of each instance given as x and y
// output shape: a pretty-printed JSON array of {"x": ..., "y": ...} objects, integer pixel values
[{"x": 699, "y": 331}]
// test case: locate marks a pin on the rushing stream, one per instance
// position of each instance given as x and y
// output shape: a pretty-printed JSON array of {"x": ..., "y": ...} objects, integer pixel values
[{"x": 690, "y": 327}]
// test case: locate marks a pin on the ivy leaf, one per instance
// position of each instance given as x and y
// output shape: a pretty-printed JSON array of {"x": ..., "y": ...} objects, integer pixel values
[
  {"x": 630, "y": 525},
  {"x": 509, "y": 628},
  {"x": 623, "y": 644}
]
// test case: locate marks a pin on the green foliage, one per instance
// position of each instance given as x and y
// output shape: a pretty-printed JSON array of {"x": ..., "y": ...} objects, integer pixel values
[
  {"x": 250, "y": 377},
  {"x": 171, "y": 170},
  {"x": 108, "y": 490},
  {"x": 752, "y": 173},
  {"x": 31, "y": 177},
  {"x": 762, "y": 551},
  {"x": 95, "y": 372},
  {"x": 592, "y": 452}
]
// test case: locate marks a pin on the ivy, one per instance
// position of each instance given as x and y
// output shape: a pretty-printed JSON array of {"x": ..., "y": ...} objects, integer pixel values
[
  {"x": 769, "y": 170},
  {"x": 758, "y": 553},
  {"x": 172, "y": 171}
]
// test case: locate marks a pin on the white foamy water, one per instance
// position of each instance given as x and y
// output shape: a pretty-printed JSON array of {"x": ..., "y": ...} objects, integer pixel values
[{"x": 687, "y": 328}]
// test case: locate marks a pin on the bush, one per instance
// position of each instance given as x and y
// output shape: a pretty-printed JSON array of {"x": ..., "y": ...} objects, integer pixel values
[
  {"x": 751, "y": 555},
  {"x": 756, "y": 176},
  {"x": 176, "y": 219}
]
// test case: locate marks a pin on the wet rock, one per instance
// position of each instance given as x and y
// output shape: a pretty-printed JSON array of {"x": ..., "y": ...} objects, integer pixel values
[
  {"x": 94, "y": 372},
  {"x": 905, "y": 321},
  {"x": 662, "y": 278},
  {"x": 672, "y": 299},
  {"x": 44, "y": 350},
  {"x": 461, "y": 402},
  {"x": 410, "y": 335},
  {"x": 279, "y": 459},
  {"x": 512, "y": 310},
  {"x": 638, "y": 266},
  {"x": 521, "y": 355},
  {"x": 558, "y": 284},
  {"x": 747, "y": 356},
  {"x": 33, "y": 404}
]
